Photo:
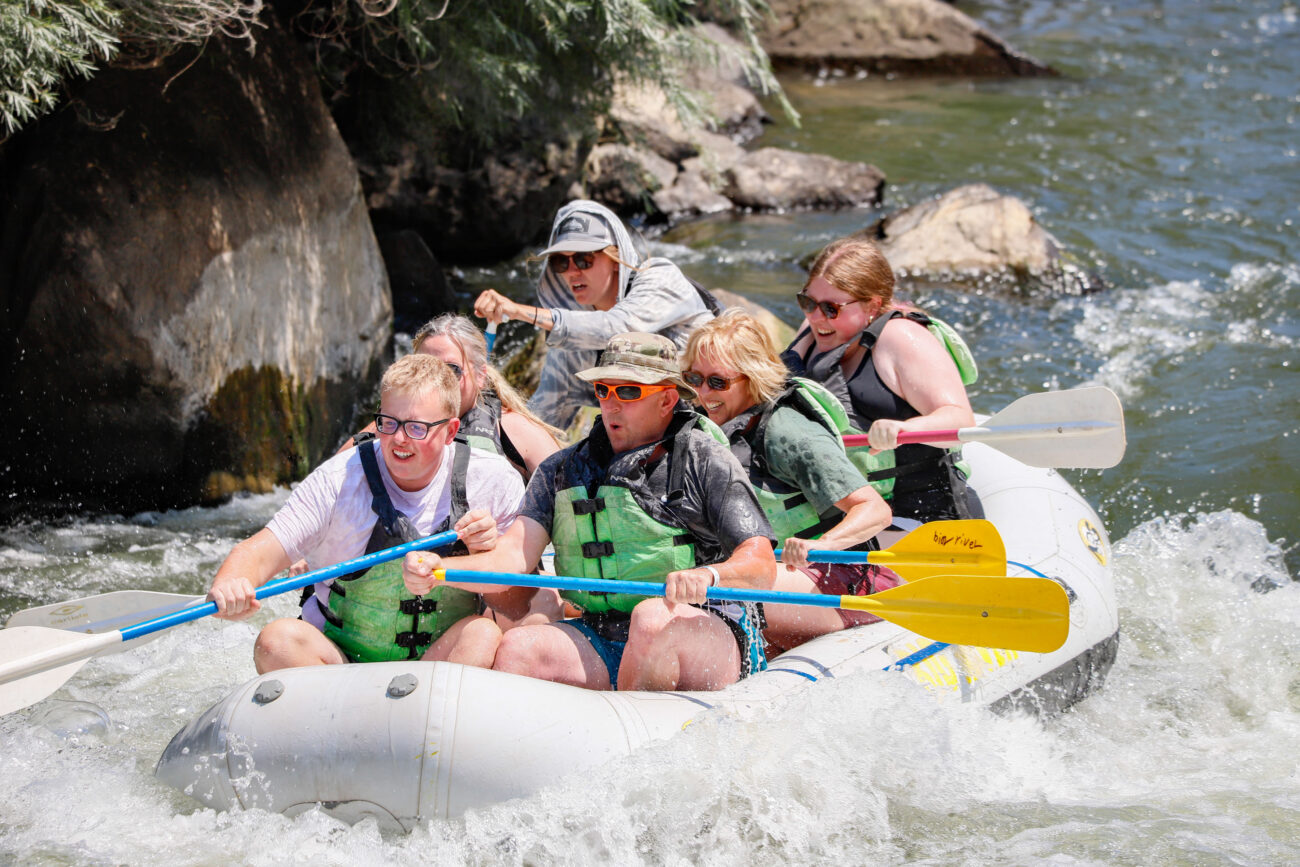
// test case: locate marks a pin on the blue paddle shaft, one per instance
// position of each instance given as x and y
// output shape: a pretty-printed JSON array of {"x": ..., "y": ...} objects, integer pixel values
[
  {"x": 833, "y": 556},
  {"x": 284, "y": 585},
  {"x": 637, "y": 588}
]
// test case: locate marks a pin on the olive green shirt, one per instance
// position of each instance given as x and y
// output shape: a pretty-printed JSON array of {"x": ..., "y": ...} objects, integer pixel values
[{"x": 802, "y": 453}]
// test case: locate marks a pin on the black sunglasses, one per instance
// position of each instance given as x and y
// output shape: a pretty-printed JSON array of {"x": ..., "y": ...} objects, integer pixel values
[
  {"x": 559, "y": 262},
  {"x": 716, "y": 383},
  {"x": 416, "y": 430},
  {"x": 829, "y": 309}
]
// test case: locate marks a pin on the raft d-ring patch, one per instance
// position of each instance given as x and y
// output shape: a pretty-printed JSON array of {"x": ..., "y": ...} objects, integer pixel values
[{"x": 1092, "y": 540}]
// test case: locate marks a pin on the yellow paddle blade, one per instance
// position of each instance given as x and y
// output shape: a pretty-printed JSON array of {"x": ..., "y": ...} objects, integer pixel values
[
  {"x": 969, "y": 547},
  {"x": 1013, "y": 613}
]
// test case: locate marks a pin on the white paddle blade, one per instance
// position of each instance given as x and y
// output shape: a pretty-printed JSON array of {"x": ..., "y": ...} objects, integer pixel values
[
  {"x": 106, "y": 612},
  {"x": 1082, "y": 427},
  {"x": 34, "y": 662}
]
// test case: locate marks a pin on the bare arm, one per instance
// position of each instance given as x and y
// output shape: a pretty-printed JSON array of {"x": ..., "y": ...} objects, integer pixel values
[
  {"x": 750, "y": 565},
  {"x": 495, "y": 307},
  {"x": 518, "y": 550},
  {"x": 350, "y": 443},
  {"x": 534, "y": 442},
  {"x": 249, "y": 565},
  {"x": 865, "y": 515},
  {"x": 915, "y": 366}
]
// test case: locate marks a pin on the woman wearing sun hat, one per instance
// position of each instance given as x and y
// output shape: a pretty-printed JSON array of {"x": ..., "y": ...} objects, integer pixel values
[{"x": 595, "y": 284}]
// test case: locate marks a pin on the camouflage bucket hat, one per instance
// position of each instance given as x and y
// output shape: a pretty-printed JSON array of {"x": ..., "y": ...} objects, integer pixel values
[{"x": 639, "y": 357}]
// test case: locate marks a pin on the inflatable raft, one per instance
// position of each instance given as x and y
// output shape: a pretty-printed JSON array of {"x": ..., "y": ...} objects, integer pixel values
[{"x": 402, "y": 741}]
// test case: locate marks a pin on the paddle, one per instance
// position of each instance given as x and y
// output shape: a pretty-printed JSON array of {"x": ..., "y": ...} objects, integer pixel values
[
  {"x": 972, "y": 547},
  {"x": 1012, "y": 613},
  {"x": 1082, "y": 427},
  {"x": 109, "y": 611},
  {"x": 35, "y": 661},
  {"x": 104, "y": 613},
  {"x": 491, "y": 336}
]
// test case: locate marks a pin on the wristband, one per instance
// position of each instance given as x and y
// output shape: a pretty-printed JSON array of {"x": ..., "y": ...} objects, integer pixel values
[{"x": 716, "y": 579}]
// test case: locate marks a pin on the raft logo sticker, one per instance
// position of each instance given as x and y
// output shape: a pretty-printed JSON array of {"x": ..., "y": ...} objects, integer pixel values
[{"x": 1092, "y": 540}]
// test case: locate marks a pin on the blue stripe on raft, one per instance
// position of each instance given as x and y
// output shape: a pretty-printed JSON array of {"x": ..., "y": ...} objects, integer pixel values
[
  {"x": 821, "y": 669},
  {"x": 792, "y": 671},
  {"x": 919, "y": 656},
  {"x": 1028, "y": 569}
]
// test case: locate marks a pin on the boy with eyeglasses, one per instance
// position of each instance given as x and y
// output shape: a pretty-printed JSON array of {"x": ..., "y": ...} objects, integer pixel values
[
  {"x": 652, "y": 494},
  {"x": 412, "y": 480}
]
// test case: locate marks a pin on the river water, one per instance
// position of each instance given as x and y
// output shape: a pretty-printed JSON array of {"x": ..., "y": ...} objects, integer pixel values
[{"x": 1165, "y": 159}]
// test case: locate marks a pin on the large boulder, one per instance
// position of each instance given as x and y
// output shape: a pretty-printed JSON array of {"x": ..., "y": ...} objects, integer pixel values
[
  {"x": 477, "y": 214},
  {"x": 969, "y": 230},
  {"x": 193, "y": 295},
  {"x": 907, "y": 36},
  {"x": 776, "y": 179}
]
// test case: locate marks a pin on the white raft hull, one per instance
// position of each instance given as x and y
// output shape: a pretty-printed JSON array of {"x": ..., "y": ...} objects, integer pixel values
[{"x": 402, "y": 741}]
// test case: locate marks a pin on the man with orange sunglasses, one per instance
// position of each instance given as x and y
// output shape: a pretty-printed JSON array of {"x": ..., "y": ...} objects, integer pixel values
[{"x": 652, "y": 494}]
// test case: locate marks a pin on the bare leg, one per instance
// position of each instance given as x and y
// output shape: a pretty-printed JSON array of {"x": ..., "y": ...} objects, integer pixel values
[
  {"x": 289, "y": 643},
  {"x": 470, "y": 641},
  {"x": 553, "y": 651},
  {"x": 540, "y": 606},
  {"x": 678, "y": 647},
  {"x": 791, "y": 625}
]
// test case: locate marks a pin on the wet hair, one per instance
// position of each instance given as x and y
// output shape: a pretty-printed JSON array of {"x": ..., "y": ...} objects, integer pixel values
[
  {"x": 856, "y": 266},
  {"x": 461, "y": 331},
  {"x": 736, "y": 339},
  {"x": 423, "y": 375}
]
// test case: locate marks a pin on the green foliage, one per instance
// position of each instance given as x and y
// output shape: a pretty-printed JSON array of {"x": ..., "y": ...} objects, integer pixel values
[
  {"x": 156, "y": 27},
  {"x": 42, "y": 43},
  {"x": 479, "y": 71},
  {"x": 495, "y": 70}
]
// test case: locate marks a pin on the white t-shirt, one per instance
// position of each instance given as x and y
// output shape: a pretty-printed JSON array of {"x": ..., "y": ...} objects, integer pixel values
[{"x": 327, "y": 519}]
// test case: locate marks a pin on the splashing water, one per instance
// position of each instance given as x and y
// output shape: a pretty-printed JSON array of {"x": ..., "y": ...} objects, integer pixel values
[{"x": 1189, "y": 748}]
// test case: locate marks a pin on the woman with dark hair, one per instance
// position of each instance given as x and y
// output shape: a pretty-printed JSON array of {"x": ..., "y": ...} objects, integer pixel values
[{"x": 894, "y": 369}]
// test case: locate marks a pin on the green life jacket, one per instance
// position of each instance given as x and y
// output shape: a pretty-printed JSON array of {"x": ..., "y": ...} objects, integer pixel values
[
  {"x": 863, "y": 392},
  {"x": 371, "y": 616},
  {"x": 622, "y": 529},
  {"x": 786, "y": 507},
  {"x": 480, "y": 428}
]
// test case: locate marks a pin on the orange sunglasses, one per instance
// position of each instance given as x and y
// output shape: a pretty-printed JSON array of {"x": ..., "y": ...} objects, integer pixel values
[{"x": 627, "y": 393}]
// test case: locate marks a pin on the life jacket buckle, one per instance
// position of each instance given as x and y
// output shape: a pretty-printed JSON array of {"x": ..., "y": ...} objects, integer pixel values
[
  {"x": 414, "y": 639},
  {"x": 596, "y": 550},
  {"x": 589, "y": 507},
  {"x": 418, "y": 606}
]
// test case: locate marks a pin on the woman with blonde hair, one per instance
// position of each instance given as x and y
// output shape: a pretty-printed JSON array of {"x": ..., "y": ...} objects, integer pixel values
[
  {"x": 893, "y": 369},
  {"x": 493, "y": 415},
  {"x": 785, "y": 434}
]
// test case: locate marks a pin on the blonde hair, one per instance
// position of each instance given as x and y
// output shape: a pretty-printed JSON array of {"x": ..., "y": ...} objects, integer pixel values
[
  {"x": 473, "y": 346},
  {"x": 856, "y": 266},
  {"x": 423, "y": 375},
  {"x": 736, "y": 339}
]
